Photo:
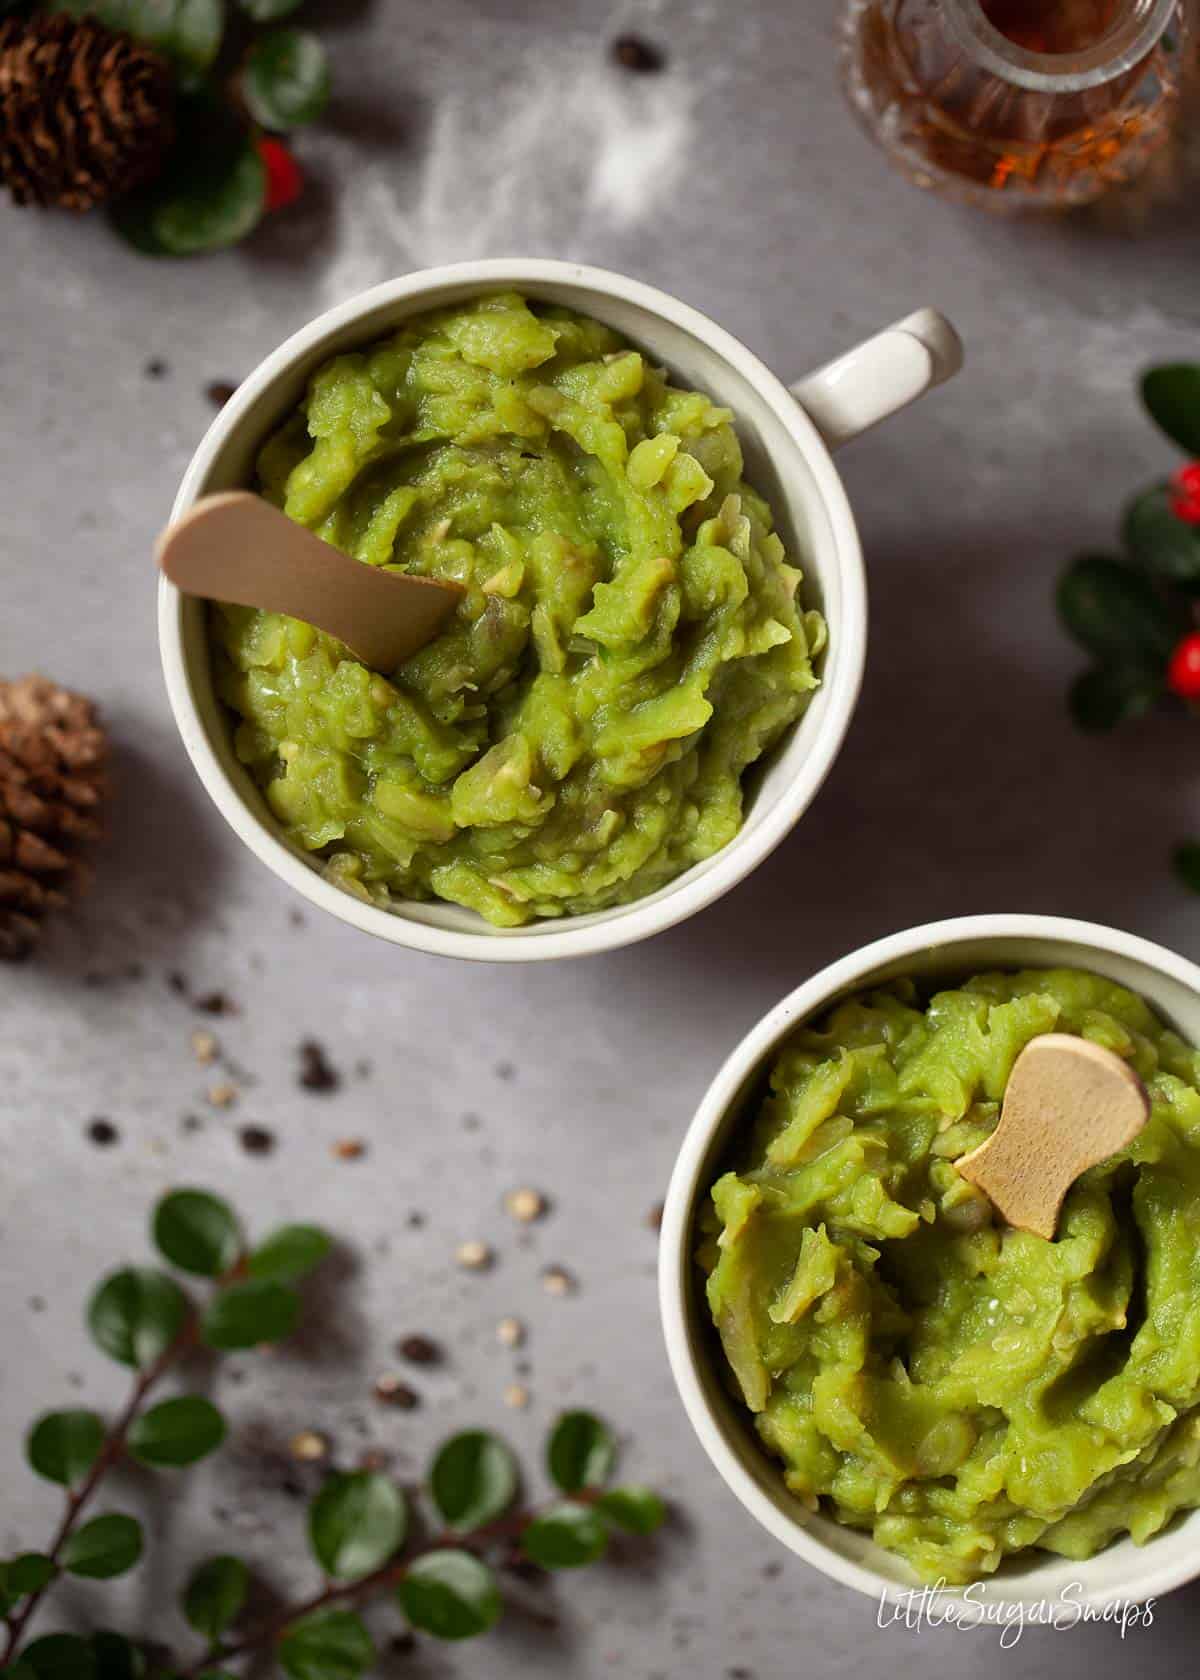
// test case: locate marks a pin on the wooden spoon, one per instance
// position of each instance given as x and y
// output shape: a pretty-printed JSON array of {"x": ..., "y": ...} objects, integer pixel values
[
  {"x": 236, "y": 547},
  {"x": 1069, "y": 1104}
]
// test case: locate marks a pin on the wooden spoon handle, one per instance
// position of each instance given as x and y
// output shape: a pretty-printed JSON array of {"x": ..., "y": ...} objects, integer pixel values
[{"x": 236, "y": 547}]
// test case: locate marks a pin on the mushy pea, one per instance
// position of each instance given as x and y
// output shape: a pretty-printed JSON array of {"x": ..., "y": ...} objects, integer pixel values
[
  {"x": 629, "y": 640},
  {"x": 959, "y": 1389}
]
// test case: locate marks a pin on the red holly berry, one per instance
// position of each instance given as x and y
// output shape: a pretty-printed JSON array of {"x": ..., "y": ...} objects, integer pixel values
[
  {"x": 1183, "y": 672},
  {"x": 285, "y": 178},
  {"x": 1185, "y": 500}
]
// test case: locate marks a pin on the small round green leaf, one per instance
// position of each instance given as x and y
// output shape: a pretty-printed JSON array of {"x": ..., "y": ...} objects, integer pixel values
[
  {"x": 580, "y": 1452},
  {"x": 269, "y": 11},
  {"x": 332, "y": 1645},
  {"x": 63, "y": 1446},
  {"x": 473, "y": 1479},
  {"x": 189, "y": 31},
  {"x": 177, "y": 1432},
  {"x": 565, "y": 1537},
  {"x": 451, "y": 1595},
  {"x": 28, "y": 1573},
  {"x": 1108, "y": 694},
  {"x": 60, "y": 1656},
  {"x": 136, "y": 1314},
  {"x": 637, "y": 1510},
  {"x": 290, "y": 1253},
  {"x": 1172, "y": 395},
  {"x": 210, "y": 196},
  {"x": 249, "y": 1314},
  {"x": 285, "y": 80},
  {"x": 197, "y": 1232},
  {"x": 117, "y": 1658},
  {"x": 1114, "y": 611},
  {"x": 356, "y": 1523},
  {"x": 216, "y": 1595},
  {"x": 104, "y": 1547},
  {"x": 1164, "y": 544}
]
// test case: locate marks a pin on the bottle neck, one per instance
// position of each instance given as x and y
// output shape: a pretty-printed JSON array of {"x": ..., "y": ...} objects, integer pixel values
[{"x": 1133, "y": 32}]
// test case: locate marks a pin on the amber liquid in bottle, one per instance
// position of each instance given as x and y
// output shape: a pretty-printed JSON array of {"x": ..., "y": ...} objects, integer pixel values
[{"x": 1015, "y": 103}]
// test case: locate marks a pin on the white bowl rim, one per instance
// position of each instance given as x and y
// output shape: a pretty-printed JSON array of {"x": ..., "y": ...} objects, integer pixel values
[
  {"x": 695, "y": 889},
  {"x": 1168, "y": 1563}
]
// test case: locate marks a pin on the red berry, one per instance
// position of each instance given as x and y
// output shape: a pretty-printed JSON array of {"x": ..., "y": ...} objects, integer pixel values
[
  {"x": 1183, "y": 672},
  {"x": 285, "y": 178},
  {"x": 1185, "y": 502}
]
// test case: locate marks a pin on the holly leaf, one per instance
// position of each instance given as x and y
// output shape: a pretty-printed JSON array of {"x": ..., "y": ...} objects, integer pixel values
[
  {"x": 215, "y": 1596},
  {"x": 1109, "y": 694},
  {"x": 103, "y": 1548},
  {"x": 211, "y": 194},
  {"x": 473, "y": 1479},
  {"x": 1114, "y": 611},
  {"x": 290, "y": 1253},
  {"x": 580, "y": 1452},
  {"x": 565, "y": 1537},
  {"x": 197, "y": 1232},
  {"x": 269, "y": 11},
  {"x": 285, "y": 79},
  {"x": 136, "y": 1314},
  {"x": 637, "y": 1510},
  {"x": 451, "y": 1595},
  {"x": 63, "y": 1446},
  {"x": 1172, "y": 395},
  {"x": 356, "y": 1523},
  {"x": 116, "y": 1657},
  {"x": 59, "y": 1656},
  {"x": 176, "y": 1432},
  {"x": 188, "y": 31},
  {"x": 332, "y": 1645},
  {"x": 249, "y": 1314},
  {"x": 1160, "y": 541}
]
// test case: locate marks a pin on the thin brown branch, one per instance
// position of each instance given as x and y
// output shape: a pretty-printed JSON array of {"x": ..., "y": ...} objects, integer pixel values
[{"x": 77, "y": 1498}]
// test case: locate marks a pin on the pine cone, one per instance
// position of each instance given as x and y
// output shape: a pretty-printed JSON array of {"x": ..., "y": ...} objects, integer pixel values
[
  {"x": 85, "y": 113},
  {"x": 52, "y": 785}
]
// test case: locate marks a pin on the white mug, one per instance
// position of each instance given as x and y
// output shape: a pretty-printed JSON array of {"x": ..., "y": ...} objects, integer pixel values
[
  {"x": 940, "y": 952},
  {"x": 787, "y": 444}
]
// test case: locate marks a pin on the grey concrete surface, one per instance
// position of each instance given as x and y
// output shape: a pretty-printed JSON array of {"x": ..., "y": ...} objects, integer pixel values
[{"x": 738, "y": 180}]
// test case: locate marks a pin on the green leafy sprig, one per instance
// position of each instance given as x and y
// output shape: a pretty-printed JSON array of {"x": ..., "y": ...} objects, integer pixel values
[
  {"x": 435, "y": 1553},
  {"x": 239, "y": 75},
  {"x": 143, "y": 1318},
  {"x": 1129, "y": 610}
]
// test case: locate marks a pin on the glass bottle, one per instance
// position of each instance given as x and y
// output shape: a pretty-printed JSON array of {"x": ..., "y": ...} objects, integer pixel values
[{"x": 1016, "y": 104}]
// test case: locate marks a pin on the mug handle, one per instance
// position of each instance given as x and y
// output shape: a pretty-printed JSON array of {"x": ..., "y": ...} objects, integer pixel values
[{"x": 856, "y": 391}]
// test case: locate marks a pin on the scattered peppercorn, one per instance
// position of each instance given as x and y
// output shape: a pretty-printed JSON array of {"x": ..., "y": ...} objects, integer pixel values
[
  {"x": 219, "y": 392},
  {"x": 156, "y": 368},
  {"x": 349, "y": 1149},
  {"x": 392, "y": 1390},
  {"x": 214, "y": 1003},
  {"x": 309, "y": 1446},
  {"x": 256, "y": 1140},
  {"x": 316, "y": 1071},
  {"x": 103, "y": 1132},
  {"x": 633, "y": 52},
  {"x": 555, "y": 1281},
  {"x": 525, "y": 1205},
  {"x": 178, "y": 983},
  {"x": 420, "y": 1349},
  {"x": 1183, "y": 670}
]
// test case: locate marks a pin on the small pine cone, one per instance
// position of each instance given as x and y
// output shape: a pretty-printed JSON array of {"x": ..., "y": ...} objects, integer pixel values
[
  {"x": 85, "y": 113},
  {"x": 52, "y": 785}
]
